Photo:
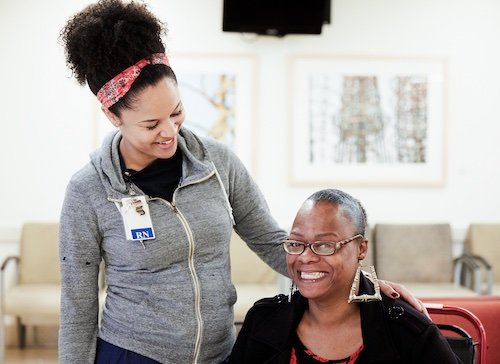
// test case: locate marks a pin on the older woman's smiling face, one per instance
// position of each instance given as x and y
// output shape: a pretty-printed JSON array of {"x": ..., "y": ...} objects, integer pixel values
[{"x": 324, "y": 277}]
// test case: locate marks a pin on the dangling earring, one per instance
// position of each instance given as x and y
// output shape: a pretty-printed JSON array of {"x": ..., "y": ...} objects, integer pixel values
[
  {"x": 364, "y": 297},
  {"x": 293, "y": 289}
]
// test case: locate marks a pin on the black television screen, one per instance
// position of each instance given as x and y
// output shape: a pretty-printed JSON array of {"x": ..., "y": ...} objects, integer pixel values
[{"x": 275, "y": 17}]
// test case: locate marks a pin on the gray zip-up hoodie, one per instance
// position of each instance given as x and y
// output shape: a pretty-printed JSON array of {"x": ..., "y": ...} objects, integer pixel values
[{"x": 171, "y": 299}]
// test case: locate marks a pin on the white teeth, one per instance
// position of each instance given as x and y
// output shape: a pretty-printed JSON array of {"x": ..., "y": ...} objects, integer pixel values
[{"x": 312, "y": 275}]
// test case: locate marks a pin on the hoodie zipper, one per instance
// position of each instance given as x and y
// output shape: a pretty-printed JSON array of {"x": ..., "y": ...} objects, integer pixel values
[
  {"x": 192, "y": 271},
  {"x": 196, "y": 284}
]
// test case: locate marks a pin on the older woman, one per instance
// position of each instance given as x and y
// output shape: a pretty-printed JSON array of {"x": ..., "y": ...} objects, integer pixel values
[{"x": 337, "y": 315}]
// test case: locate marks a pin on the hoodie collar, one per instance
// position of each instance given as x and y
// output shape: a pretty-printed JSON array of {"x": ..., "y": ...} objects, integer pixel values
[{"x": 196, "y": 164}]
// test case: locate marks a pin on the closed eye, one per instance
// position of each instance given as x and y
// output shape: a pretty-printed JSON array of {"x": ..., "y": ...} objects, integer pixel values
[
  {"x": 153, "y": 126},
  {"x": 178, "y": 113}
]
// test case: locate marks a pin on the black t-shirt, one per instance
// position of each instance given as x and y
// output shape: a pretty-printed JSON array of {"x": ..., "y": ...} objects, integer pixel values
[{"x": 158, "y": 179}]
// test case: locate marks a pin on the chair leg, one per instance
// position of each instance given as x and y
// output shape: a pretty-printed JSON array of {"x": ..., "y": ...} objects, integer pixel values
[{"x": 21, "y": 332}]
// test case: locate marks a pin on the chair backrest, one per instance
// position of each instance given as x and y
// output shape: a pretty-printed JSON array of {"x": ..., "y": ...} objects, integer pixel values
[
  {"x": 246, "y": 266},
  {"x": 39, "y": 254},
  {"x": 460, "y": 341},
  {"x": 414, "y": 252},
  {"x": 484, "y": 240},
  {"x": 485, "y": 308},
  {"x": 451, "y": 318}
]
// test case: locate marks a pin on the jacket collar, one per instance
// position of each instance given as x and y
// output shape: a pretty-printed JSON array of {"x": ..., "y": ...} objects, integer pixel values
[
  {"x": 377, "y": 338},
  {"x": 276, "y": 327},
  {"x": 279, "y": 325}
]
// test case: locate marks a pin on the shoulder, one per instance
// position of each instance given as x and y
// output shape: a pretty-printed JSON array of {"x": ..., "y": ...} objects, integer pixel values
[
  {"x": 270, "y": 304},
  {"x": 417, "y": 338},
  {"x": 403, "y": 316},
  {"x": 277, "y": 310},
  {"x": 270, "y": 311},
  {"x": 84, "y": 179}
]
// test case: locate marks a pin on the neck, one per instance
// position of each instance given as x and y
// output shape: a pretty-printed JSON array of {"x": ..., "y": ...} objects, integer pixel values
[
  {"x": 331, "y": 330},
  {"x": 331, "y": 314},
  {"x": 135, "y": 161}
]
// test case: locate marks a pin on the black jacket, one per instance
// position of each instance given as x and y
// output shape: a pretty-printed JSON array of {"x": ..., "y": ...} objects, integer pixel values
[{"x": 393, "y": 332}]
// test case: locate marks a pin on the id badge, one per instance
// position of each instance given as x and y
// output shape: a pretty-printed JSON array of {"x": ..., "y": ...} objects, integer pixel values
[{"x": 136, "y": 218}]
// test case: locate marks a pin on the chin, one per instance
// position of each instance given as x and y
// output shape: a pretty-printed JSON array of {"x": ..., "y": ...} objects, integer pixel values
[
  {"x": 309, "y": 292},
  {"x": 165, "y": 155}
]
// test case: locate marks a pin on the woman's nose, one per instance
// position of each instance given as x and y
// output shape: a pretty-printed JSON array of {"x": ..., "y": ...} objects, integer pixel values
[
  {"x": 169, "y": 129},
  {"x": 308, "y": 255}
]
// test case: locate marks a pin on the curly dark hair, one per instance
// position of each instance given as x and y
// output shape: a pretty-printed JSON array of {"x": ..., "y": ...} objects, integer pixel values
[{"x": 107, "y": 37}]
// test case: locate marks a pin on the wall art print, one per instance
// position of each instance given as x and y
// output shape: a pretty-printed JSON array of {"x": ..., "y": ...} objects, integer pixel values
[{"x": 367, "y": 121}]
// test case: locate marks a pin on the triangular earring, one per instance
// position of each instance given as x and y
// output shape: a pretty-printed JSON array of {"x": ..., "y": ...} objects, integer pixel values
[
  {"x": 364, "y": 297},
  {"x": 293, "y": 289}
]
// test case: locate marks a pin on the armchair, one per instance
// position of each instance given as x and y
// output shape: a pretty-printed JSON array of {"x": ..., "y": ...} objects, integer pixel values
[
  {"x": 420, "y": 257},
  {"x": 34, "y": 297},
  {"x": 482, "y": 247}
]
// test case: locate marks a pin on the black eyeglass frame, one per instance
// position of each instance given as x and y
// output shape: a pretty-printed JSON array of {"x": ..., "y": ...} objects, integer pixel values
[{"x": 336, "y": 245}]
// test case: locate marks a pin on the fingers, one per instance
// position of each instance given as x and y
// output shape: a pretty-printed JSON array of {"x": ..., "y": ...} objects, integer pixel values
[
  {"x": 405, "y": 295},
  {"x": 396, "y": 290},
  {"x": 387, "y": 289},
  {"x": 424, "y": 310}
]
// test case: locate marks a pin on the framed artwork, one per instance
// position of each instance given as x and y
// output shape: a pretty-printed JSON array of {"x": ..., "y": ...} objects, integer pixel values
[
  {"x": 218, "y": 93},
  {"x": 367, "y": 121}
]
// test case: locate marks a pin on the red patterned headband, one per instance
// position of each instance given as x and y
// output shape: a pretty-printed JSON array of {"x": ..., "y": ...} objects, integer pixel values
[{"x": 118, "y": 86}]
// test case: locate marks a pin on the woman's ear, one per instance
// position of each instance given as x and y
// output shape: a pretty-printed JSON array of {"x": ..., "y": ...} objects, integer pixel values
[
  {"x": 363, "y": 249},
  {"x": 115, "y": 120}
]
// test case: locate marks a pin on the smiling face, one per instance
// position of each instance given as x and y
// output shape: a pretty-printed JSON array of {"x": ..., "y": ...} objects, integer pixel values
[
  {"x": 324, "y": 277},
  {"x": 150, "y": 128}
]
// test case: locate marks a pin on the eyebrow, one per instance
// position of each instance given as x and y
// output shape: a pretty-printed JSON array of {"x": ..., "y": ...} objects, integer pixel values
[
  {"x": 147, "y": 121},
  {"x": 319, "y": 236}
]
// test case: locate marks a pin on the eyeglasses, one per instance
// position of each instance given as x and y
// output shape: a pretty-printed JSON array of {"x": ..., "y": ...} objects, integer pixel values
[{"x": 295, "y": 247}]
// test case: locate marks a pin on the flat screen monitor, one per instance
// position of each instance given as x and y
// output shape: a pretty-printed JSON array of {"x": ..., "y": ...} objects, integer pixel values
[{"x": 275, "y": 17}]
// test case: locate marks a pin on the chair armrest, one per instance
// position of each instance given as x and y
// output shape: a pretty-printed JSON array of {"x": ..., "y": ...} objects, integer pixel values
[
  {"x": 7, "y": 260},
  {"x": 5, "y": 263},
  {"x": 465, "y": 268},
  {"x": 481, "y": 261},
  {"x": 475, "y": 264},
  {"x": 488, "y": 269}
]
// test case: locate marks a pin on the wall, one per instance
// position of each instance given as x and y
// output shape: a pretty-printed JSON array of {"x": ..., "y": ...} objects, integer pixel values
[{"x": 48, "y": 121}]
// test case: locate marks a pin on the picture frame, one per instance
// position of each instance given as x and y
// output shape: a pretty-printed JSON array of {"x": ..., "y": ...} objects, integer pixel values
[
  {"x": 218, "y": 93},
  {"x": 367, "y": 121}
]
